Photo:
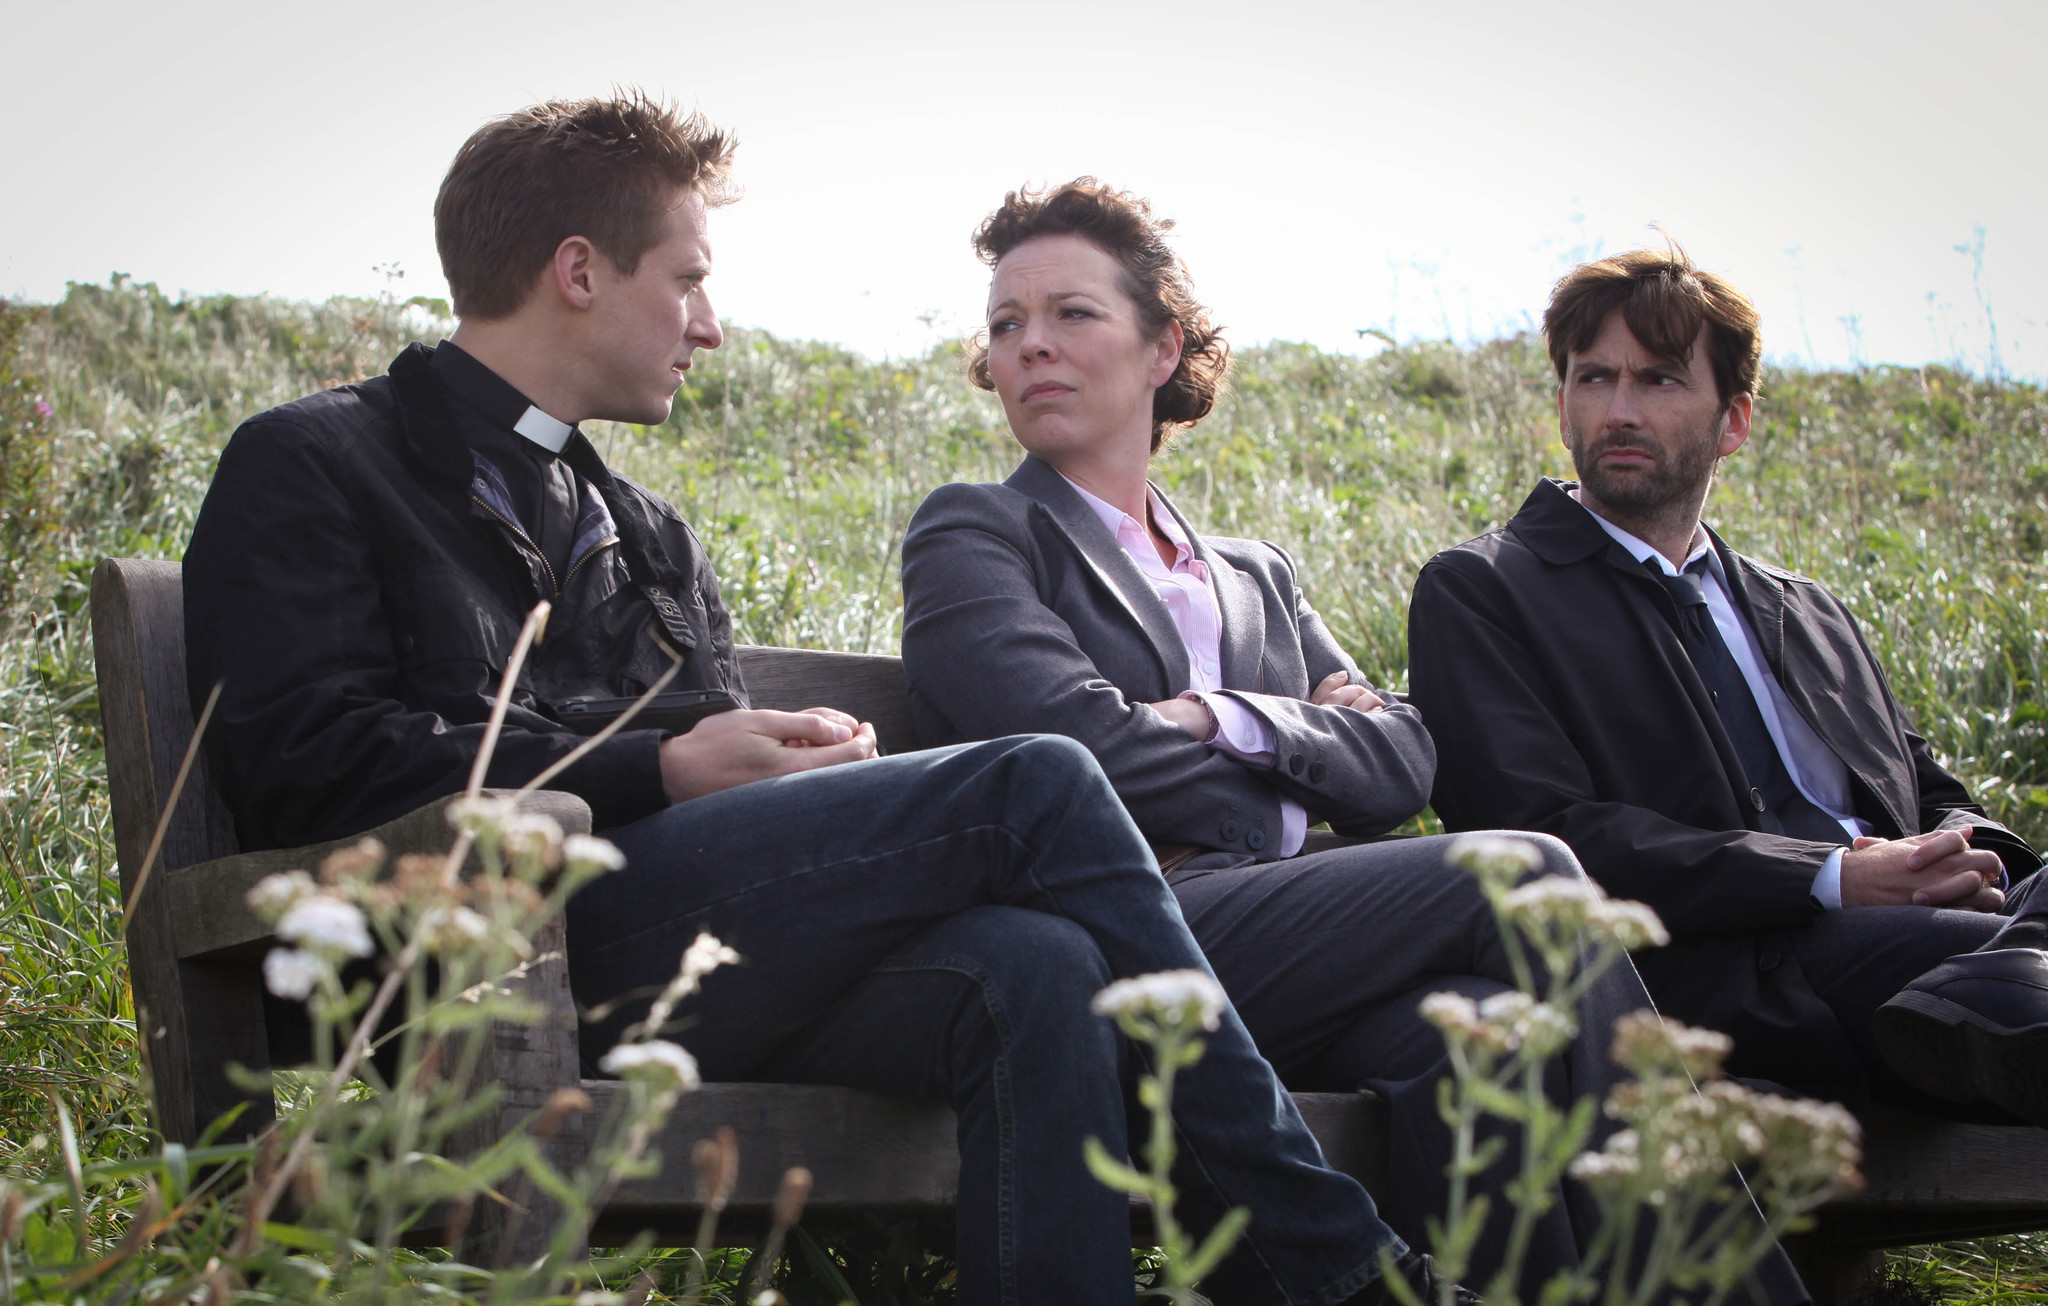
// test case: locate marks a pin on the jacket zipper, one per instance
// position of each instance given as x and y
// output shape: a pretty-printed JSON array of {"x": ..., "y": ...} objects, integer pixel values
[
  {"x": 555, "y": 586},
  {"x": 595, "y": 549}
]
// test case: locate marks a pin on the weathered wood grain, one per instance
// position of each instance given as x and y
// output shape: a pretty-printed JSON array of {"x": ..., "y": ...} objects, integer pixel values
[
  {"x": 138, "y": 620},
  {"x": 867, "y": 686}
]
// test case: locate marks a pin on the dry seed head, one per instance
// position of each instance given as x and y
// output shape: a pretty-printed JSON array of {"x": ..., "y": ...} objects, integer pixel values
[
  {"x": 353, "y": 865},
  {"x": 10, "y": 1215},
  {"x": 718, "y": 1166},
  {"x": 562, "y": 1103},
  {"x": 790, "y": 1198}
]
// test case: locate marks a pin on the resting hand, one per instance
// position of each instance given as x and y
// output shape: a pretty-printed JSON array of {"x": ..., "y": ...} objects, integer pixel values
[
  {"x": 1338, "y": 691},
  {"x": 1188, "y": 714},
  {"x": 1922, "y": 870},
  {"x": 740, "y": 747}
]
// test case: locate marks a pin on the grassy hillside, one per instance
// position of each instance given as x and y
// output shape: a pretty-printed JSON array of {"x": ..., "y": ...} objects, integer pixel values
[{"x": 1921, "y": 496}]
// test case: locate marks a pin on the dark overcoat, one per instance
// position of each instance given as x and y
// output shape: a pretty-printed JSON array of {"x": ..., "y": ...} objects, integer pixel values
[{"x": 1546, "y": 662}]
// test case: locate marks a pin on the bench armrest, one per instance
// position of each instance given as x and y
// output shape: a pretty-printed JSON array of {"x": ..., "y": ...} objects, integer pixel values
[{"x": 209, "y": 916}]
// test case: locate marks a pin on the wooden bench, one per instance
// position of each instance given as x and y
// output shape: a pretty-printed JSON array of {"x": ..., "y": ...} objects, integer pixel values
[{"x": 195, "y": 952}]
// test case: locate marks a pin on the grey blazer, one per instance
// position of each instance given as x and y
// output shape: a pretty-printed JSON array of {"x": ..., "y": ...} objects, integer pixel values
[{"x": 1022, "y": 615}]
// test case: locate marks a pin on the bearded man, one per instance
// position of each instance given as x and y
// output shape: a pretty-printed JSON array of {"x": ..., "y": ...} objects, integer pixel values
[{"x": 1712, "y": 736}]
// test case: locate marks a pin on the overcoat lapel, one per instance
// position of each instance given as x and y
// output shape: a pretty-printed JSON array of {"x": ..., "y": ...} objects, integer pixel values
[
  {"x": 1761, "y": 597},
  {"x": 1112, "y": 567},
  {"x": 1240, "y": 608}
]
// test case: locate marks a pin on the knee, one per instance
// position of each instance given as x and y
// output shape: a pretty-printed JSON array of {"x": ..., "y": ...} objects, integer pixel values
[
  {"x": 1029, "y": 961},
  {"x": 1558, "y": 858},
  {"x": 1061, "y": 759}
]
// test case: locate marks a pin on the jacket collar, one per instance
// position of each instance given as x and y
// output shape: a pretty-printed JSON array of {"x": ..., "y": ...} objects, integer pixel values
[
  {"x": 1113, "y": 568},
  {"x": 1559, "y": 530},
  {"x": 427, "y": 431}
]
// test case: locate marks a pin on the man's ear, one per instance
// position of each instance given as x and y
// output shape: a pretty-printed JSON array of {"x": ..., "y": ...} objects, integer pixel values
[
  {"x": 1735, "y": 424},
  {"x": 1171, "y": 341},
  {"x": 571, "y": 272}
]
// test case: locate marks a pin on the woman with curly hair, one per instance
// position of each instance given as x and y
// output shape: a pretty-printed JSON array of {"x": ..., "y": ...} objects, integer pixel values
[{"x": 1074, "y": 598}]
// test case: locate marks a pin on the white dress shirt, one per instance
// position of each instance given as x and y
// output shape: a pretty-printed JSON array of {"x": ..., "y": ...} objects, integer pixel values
[
  {"x": 1820, "y": 775},
  {"x": 1191, "y": 601}
]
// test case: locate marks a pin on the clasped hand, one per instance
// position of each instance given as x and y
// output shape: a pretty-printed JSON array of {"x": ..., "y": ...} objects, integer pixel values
[
  {"x": 1940, "y": 869},
  {"x": 749, "y": 744}
]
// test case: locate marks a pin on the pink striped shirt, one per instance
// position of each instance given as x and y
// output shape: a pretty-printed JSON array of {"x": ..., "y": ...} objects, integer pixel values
[{"x": 1191, "y": 601}]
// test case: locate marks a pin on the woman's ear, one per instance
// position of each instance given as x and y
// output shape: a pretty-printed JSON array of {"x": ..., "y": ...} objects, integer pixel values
[{"x": 1170, "y": 342}]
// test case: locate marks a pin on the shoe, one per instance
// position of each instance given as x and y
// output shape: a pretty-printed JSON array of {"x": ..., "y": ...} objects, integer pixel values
[
  {"x": 1415, "y": 1269},
  {"x": 1974, "y": 1029}
]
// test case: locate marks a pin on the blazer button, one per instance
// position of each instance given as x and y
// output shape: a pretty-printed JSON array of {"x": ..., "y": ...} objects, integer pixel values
[
  {"x": 1255, "y": 840},
  {"x": 1315, "y": 773},
  {"x": 1295, "y": 763},
  {"x": 1756, "y": 799},
  {"x": 1228, "y": 830}
]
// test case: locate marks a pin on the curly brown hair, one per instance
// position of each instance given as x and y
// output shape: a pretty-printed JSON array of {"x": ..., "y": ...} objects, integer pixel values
[
  {"x": 1665, "y": 300},
  {"x": 1121, "y": 225},
  {"x": 604, "y": 169}
]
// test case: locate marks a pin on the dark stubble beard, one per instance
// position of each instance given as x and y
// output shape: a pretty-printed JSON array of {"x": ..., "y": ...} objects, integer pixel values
[{"x": 1673, "y": 485}]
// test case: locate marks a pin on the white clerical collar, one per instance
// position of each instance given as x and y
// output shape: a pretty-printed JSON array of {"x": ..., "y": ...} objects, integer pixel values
[
  {"x": 1644, "y": 552},
  {"x": 543, "y": 430}
]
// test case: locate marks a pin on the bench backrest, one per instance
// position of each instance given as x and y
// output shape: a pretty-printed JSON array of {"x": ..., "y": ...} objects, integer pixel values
[{"x": 138, "y": 618}]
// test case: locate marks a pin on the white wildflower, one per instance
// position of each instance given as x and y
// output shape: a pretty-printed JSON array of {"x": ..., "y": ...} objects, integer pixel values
[
  {"x": 273, "y": 895},
  {"x": 587, "y": 851},
  {"x": 1495, "y": 853},
  {"x": 657, "y": 1061},
  {"x": 484, "y": 817},
  {"x": 704, "y": 955},
  {"x": 533, "y": 835},
  {"x": 447, "y": 928},
  {"x": 291, "y": 973},
  {"x": 593, "y": 1297},
  {"x": 1649, "y": 1045},
  {"x": 321, "y": 922},
  {"x": 1554, "y": 901},
  {"x": 1514, "y": 1021},
  {"x": 1612, "y": 1166},
  {"x": 1632, "y": 925},
  {"x": 1453, "y": 1013},
  {"x": 1174, "y": 995}
]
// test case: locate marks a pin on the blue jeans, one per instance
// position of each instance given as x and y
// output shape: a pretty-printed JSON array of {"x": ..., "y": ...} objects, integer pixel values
[{"x": 934, "y": 924}]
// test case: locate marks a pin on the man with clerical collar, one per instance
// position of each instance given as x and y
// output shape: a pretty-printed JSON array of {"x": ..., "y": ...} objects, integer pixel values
[
  {"x": 1711, "y": 736},
  {"x": 931, "y": 925}
]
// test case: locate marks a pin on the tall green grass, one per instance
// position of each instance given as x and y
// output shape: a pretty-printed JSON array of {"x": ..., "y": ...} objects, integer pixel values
[{"x": 1919, "y": 495}]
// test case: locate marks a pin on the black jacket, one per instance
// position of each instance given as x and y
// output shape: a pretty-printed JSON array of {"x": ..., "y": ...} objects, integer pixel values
[
  {"x": 1545, "y": 662},
  {"x": 352, "y": 586}
]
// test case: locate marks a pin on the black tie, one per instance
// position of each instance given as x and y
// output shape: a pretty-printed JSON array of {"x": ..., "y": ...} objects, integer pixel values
[{"x": 1777, "y": 800}]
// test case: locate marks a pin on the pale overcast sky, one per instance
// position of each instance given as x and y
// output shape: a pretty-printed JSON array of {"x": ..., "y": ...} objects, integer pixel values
[{"x": 1425, "y": 169}]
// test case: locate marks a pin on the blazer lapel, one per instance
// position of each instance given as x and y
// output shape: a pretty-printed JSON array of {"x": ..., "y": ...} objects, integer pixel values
[
  {"x": 1106, "y": 559},
  {"x": 1240, "y": 610}
]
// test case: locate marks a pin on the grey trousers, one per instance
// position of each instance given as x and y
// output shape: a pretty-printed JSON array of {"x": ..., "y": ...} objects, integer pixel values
[{"x": 1326, "y": 956}]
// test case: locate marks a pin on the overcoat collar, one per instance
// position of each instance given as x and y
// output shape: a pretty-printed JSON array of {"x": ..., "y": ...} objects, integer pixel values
[{"x": 1558, "y": 529}]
